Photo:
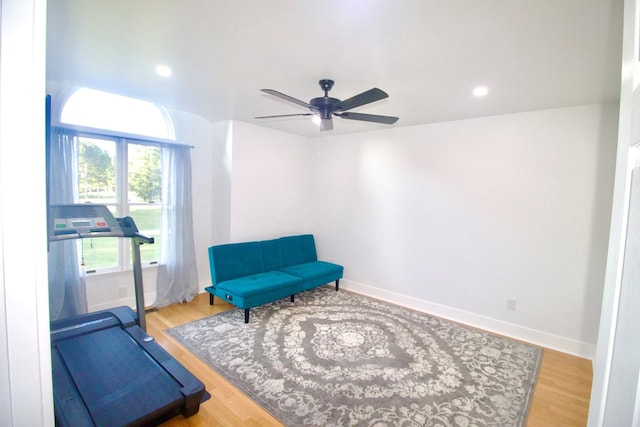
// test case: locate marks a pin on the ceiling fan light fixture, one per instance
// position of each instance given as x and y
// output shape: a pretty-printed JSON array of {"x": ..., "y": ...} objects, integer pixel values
[{"x": 316, "y": 119}]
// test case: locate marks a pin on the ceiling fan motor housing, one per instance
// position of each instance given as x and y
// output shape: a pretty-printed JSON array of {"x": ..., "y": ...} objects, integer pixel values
[{"x": 324, "y": 106}]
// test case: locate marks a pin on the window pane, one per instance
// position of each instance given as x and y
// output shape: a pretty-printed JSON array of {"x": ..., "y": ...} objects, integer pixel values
[
  {"x": 96, "y": 171},
  {"x": 148, "y": 218},
  {"x": 103, "y": 110},
  {"x": 97, "y": 184},
  {"x": 101, "y": 252},
  {"x": 144, "y": 174},
  {"x": 144, "y": 194}
]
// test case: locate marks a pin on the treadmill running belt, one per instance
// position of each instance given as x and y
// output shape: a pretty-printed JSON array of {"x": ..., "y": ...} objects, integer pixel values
[{"x": 119, "y": 384}]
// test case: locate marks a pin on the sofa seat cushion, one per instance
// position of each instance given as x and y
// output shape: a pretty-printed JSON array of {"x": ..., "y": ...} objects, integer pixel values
[
  {"x": 313, "y": 270},
  {"x": 259, "y": 283}
]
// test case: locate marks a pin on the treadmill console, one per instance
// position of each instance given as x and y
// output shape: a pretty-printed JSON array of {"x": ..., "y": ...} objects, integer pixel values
[{"x": 82, "y": 221}]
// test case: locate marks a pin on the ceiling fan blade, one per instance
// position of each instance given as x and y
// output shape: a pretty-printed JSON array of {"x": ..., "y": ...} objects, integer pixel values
[
  {"x": 326, "y": 124},
  {"x": 284, "y": 115},
  {"x": 389, "y": 120},
  {"x": 286, "y": 97},
  {"x": 367, "y": 97}
]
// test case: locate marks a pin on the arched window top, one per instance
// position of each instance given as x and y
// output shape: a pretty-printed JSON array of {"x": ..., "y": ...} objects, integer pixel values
[{"x": 102, "y": 110}]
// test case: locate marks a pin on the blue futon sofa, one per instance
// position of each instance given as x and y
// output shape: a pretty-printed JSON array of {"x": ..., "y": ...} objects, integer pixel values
[{"x": 249, "y": 274}]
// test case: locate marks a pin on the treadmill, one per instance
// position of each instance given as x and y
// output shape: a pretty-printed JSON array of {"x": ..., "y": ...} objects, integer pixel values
[{"x": 106, "y": 370}]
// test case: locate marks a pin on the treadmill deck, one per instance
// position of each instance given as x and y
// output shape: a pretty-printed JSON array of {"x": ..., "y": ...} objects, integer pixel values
[{"x": 108, "y": 372}]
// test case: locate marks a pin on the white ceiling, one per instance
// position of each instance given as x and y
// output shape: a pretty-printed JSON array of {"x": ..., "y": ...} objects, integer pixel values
[{"x": 427, "y": 55}]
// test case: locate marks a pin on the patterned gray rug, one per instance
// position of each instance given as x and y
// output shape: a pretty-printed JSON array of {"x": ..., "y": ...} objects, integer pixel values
[{"x": 342, "y": 359}]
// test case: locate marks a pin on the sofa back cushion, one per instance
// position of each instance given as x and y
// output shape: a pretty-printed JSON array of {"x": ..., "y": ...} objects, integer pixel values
[
  {"x": 272, "y": 254},
  {"x": 298, "y": 249},
  {"x": 235, "y": 260}
]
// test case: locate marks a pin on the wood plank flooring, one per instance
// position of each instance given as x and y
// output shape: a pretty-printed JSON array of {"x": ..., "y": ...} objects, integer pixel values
[{"x": 561, "y": 396}]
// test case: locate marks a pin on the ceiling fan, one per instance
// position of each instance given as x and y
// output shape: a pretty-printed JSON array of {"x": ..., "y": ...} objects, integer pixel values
[{"x": 325, "y": 107}]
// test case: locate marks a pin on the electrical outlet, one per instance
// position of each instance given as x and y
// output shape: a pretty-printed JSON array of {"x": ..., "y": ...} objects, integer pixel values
[
  {"x": 122, "y": 292},
  {"x": 511, "y": 304}
]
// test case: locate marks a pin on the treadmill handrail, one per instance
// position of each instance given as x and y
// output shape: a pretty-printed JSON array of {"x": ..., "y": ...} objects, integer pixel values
[{"x": 141, "y": 238}]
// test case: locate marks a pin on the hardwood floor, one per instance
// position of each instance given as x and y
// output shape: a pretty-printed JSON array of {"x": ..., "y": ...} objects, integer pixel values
[{"x": 561, "y": 396}]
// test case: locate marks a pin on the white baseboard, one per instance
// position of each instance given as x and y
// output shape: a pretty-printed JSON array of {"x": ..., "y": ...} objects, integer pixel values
[
  {"x": 522, "y": 333},
  {"x": 128, "y": 301}
]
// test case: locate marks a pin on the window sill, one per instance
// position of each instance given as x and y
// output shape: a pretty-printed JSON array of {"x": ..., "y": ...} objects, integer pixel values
[{"x": 116, "y": 270}]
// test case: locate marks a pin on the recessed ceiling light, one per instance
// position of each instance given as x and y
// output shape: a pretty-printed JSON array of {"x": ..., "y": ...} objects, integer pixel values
[
  {"x": 163, "y": 71},
  {"x": 480, "y": 91}
]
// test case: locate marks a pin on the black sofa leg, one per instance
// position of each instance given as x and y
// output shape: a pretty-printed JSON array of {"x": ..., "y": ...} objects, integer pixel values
[
  {"x": 210, "y": 299},
  {"x": 246, "y": 315},
  {"x": 293, "y": 297},
  {"x": 337, "y": 285}
]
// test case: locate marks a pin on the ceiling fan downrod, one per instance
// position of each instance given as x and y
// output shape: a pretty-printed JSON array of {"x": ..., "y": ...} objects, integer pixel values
[{"x": 326, "y": 86}]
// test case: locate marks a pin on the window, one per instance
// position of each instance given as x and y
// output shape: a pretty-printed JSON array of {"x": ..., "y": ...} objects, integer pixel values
[
  {"x": 106, "y": 111},
  {"x": 123, "y": 173}
]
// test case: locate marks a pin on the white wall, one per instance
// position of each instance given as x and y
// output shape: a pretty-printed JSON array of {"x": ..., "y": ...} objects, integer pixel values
[
  {"x": 25, "y": 364},
  {"x": 270, "y": 186},
  {"x": 198, "y": 132},
  {"x": 220, "y": 176},
  {"x": 456, "y": 217}
]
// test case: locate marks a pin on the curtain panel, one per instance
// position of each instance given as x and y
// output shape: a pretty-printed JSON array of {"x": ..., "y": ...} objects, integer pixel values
[
  {"x": 67, "y": 287},
  {"x": 177, "y": 271}
]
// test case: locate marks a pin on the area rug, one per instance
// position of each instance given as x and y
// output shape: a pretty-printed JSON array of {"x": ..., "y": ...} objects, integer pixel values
[{"x": 343, "y": 359}]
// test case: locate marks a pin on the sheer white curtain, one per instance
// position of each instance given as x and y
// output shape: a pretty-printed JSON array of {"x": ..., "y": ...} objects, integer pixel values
[
  {"x": 67, "y": 288},
  {"x": 177, "y": 272}
]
